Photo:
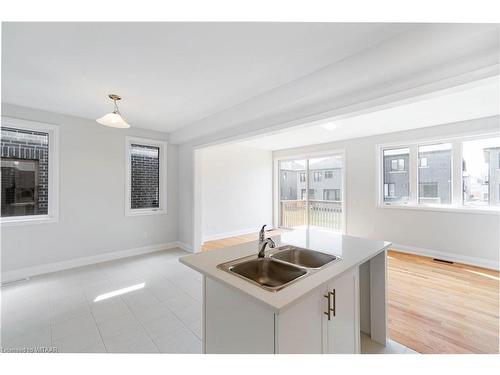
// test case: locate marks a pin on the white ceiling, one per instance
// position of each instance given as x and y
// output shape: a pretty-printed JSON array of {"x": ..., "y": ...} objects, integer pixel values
[
  {"x": 473, "y": 100},
  {"x": 170, "y": 74}
]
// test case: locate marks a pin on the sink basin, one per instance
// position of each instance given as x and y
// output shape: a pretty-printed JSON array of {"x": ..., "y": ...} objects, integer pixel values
[
  {"x": 278, "y": 268},
  {"x": 267, "y": 273},
  {"x": 304, "y": 257}
]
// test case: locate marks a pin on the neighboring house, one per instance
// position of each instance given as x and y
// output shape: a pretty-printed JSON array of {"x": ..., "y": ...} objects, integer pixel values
[
  {"x": 434, "y": 177},
  {"x": 396, "y": 177},
  {"x": 325, "y": 181},
  {"x": 288, "y": 185}
]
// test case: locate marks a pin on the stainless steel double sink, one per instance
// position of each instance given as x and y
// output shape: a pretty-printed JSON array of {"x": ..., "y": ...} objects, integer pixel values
[{"x": 280, "y": 267}]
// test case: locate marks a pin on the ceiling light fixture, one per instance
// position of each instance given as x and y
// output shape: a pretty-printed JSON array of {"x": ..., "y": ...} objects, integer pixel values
[
  {"x": 329, "y": 126},
  {"x": 113, "y": 119}
]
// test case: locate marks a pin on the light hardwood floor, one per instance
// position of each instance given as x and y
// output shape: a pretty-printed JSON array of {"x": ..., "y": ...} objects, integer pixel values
[
  {"x": 434, "y": 307},
  {"x": 231, "y": 241},
  {"x": 442, "y": 308}
]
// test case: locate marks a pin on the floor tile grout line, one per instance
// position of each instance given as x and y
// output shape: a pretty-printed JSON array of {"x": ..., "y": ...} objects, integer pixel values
[
  {"x": 142, "y": 325},
  {"x": 182, "y": 321},
  {"x": 93, "y": 317},
  {"x": 98, "y": 330}
]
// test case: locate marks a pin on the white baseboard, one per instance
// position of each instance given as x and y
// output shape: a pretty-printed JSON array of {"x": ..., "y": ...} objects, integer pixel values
[
  {"x": 24, "y": 273},
  {"x": 218, "y": 236},
  {"x": 185, "y": 247},
  {"x": 473, "y": 261}
]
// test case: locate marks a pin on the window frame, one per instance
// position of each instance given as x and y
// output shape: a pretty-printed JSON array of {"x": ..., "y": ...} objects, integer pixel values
[
  {"x": 52, "y": 130},
  {"x": 413, "y": 166},
  {"x": 162, "y": 181}
]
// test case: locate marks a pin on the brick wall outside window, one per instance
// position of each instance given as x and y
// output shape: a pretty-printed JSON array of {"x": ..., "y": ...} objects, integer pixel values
[
  {"x": 144, "y": 164},
  {"x": 26, "y": 145}
]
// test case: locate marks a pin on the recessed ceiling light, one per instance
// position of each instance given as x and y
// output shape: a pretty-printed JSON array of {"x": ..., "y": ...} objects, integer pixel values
[
  {"x": 113, "y": 119},
  {"x": 329, "y": 126}
]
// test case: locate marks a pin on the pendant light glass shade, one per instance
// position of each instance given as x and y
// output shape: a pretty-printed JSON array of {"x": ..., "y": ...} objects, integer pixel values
[{"x": 113, "y": 119}]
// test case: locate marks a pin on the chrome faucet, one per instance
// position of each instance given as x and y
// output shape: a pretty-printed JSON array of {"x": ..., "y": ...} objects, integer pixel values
[{"x": 263, "y": 242}]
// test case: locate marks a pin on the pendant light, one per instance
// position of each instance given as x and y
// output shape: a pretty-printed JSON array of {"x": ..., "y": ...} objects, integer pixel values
[{"x": 114, "y": 119}]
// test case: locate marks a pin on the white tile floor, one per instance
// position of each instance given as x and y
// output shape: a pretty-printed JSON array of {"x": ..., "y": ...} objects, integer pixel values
[
  {"x": 59, "y": 309},
  {"x": 163, "y": 315}
]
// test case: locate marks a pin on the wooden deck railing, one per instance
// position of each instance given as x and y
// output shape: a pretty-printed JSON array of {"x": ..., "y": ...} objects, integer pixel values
[{"x": 324, "y": 214}]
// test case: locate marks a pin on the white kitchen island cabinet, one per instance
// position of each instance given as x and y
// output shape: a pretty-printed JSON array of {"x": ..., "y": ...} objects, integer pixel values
[
  {"x": 326, "y": 321},
  {"x": 322, "y": 313}
]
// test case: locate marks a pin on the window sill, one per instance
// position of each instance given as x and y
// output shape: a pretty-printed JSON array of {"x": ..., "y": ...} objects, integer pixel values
[
  {"x": 456, "y": 209},
  {"x": 27, "y": 220},
  {"x": 143, "y": 212}
]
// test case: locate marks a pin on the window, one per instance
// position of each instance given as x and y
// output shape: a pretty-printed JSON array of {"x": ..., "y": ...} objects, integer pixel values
[
  {"x": 428, "y": 190},
  {"x": 397, "y": 165},
  {"x": 398, "y": 184},
  {"x": 434, "y": 182},
  {"x": 146, "y": 185},
  {"x": 29, "y": 171},
  {"x": 328, "y": 194},
  {"x": 331, "y": 194},
  {"x": 311, "y": 194},
  {"x": 317, "y": 176},
  {"x": 438, "y": 180},
  {"x": 389, "y": 190},
  {"x": 479, "y": 172},
  {"x": 302, "y": 177},
  {"x": 284, "y": 176},
  {"x": 328, "y": 174}
]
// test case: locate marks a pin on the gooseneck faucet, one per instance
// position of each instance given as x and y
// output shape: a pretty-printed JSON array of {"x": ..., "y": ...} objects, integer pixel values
[{"x": 263, "y": 242}]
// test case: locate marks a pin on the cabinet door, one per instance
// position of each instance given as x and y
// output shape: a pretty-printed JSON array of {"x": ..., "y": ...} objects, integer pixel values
[
  {"x": 299, "y": 328},
  {"x": 342, "y": 333}
]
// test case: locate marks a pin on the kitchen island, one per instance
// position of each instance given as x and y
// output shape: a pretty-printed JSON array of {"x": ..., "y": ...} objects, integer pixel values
[{"x": 323, "y": 311}]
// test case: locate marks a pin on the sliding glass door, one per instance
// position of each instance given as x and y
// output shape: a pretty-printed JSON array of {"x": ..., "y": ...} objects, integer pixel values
[
  {"x": 311, "y": 193},
  {"x": 292, "y": 184}
]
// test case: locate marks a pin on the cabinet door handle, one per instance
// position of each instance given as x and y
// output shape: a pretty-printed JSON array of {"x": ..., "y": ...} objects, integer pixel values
[
  {"x": 328, "y": 310},
  {"x": 334, "y": 303},
  {"x": 329, "y": 297}
]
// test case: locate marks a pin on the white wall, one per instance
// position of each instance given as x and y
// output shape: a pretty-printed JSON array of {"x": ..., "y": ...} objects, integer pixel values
[
  {"x": 236, "y": 190},
  {"x": 92, "y": 222},
  {"x": 458, "y": 236},
  {"x": 186, "y": 196}
]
